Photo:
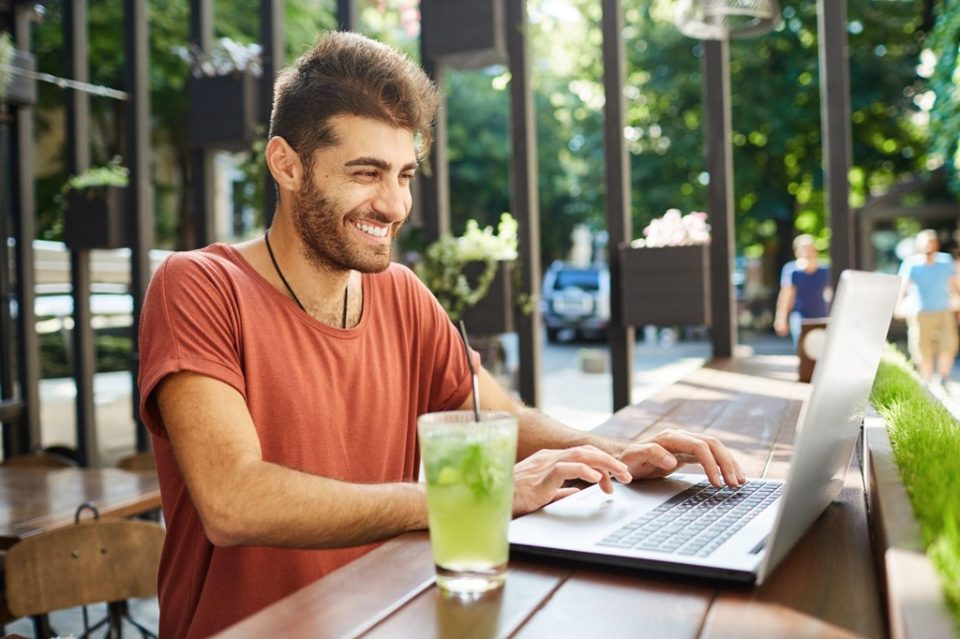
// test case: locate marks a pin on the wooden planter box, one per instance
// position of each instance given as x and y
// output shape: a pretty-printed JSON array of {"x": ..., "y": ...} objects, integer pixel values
[
  {"x": 665, "y": 286},
  {"x": 94, "y": 218},
  {"x": 223, "y": 111},
  {"x": 916, "y": 606},
  {"x": 22, "y": 91},
  {"x": 463, "y": 34},
  {"x": 494, "y": 313}
]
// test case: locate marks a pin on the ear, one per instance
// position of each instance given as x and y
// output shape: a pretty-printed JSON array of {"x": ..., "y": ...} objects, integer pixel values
[{"x": 284, "y": 164}]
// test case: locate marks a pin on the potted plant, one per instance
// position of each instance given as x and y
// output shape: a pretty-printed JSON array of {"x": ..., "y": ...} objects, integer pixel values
[
  {"x": 93, "y": 208},
  {"x": 17, "y": 85},
  {"x": 223, "y": 90},
  {"x": 472, "y": 275},
  {"x": 665, "y": 276}
]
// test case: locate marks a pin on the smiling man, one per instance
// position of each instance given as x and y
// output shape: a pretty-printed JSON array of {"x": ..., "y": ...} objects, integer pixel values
[{"x": 281, "y": 378}]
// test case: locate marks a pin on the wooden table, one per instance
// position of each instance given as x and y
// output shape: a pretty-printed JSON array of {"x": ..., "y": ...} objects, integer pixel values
[
  {"x": 34, "y": 500},
  {"x": 826, "y": 587}
]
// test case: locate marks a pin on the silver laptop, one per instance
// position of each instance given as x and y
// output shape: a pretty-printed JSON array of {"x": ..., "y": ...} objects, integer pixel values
[{"x": 664, "y": 525}]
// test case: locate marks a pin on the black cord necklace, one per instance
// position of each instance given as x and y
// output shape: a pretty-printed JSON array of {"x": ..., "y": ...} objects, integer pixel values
[{"x": 346, "y": 291}]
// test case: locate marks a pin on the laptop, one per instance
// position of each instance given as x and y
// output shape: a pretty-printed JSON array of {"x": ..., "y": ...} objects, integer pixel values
[{"x": 663, "y": 525}]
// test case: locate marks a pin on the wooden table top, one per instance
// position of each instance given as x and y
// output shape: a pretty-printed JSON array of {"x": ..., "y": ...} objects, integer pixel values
[
  {"x": 826, "y": 587},
  {"x": 34, "y": 500}
]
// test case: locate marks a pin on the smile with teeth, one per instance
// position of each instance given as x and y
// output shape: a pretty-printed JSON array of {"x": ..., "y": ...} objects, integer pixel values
[{"x": 375, "y": 231}]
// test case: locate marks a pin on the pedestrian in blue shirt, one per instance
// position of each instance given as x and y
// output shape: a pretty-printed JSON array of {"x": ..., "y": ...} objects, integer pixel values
[
  {"x": 805, "y": 290},
  {"x": 929, "y": 278}
]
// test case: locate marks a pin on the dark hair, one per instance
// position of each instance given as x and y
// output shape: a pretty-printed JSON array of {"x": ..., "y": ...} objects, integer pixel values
[{"x": 349, "y": 74}]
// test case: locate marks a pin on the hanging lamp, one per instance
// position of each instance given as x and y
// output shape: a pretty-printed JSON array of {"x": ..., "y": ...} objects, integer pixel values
[{"x": 725, "y": 19}]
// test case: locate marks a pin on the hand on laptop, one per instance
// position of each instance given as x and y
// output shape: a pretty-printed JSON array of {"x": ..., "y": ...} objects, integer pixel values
[
  {"x": 660, "y": 456},
  {"x": 539, "y": 479}
]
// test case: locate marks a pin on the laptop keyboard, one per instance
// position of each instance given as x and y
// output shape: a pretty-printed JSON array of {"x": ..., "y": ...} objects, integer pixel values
[{"x": 696, "y": 521}]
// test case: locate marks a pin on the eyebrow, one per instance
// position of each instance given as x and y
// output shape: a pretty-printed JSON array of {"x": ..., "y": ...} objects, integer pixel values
[{"x": 380, "y": 164}]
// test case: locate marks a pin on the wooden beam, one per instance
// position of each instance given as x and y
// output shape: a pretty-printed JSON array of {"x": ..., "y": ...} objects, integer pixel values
[
  {"x": 347, "y": 19},
  {"x": 26, "y": 433},
  {"x": 78, "y": 159},
  {"x": 272, "y": 59},
  {"x": 525, "y": 200},
  {"x": 617, "y": 179},
  {"x": 716, "y": 89},
  {"x": 201, "y": 159},
  {"x": 434, "y": 179},
  {"x": 140, "y": 205},
  {"x": 835, "y": 116}
]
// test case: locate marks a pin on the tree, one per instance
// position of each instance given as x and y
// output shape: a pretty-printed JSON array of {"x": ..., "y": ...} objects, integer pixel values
[{"x": 944, "y": 82}]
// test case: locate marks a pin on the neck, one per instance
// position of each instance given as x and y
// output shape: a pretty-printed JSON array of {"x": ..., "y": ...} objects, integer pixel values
[{"x": 321, "y": 292}]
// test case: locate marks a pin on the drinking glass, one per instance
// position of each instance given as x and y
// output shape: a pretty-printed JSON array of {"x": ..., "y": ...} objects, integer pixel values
[{"x": 469, "y": 479}]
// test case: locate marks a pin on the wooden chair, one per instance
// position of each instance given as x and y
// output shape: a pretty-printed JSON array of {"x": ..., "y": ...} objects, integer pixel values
[
  {"x": 90, "y": 562},
  {"x": 139, "y": 461}
]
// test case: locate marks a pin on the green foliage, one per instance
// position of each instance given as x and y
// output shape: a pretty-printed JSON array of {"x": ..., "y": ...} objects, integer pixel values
[
  {"x": 926, "y": 445},
  {"x": 112, "y": 174},
  {"x": 442, "y": 268},
  {"x": 6, "y": 57},
  {"x": 944, "y": 41},
  {"x": 112, "y": 353}
]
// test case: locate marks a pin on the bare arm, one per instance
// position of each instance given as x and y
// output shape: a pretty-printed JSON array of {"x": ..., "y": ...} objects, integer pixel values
[
  {"x": 785, "y": 301},
  {"x": 242, "y": 499}
]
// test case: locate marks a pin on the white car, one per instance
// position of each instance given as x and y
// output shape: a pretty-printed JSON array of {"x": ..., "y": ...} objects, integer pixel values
[{"x": 576, "y": 299}]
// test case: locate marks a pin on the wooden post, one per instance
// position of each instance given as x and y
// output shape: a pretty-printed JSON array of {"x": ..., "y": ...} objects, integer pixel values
[
  {"x": 525, "y": 201},
  {"x": 201, "y": 159},
  {"x": 835, "y": 116},
  {"x": 347, "y": 15},
  {"x": 619, "y": 225},
  {"x": 271, "y": 37},
  {"x": 78, "y": 159},
  {"x": 435, "y": 178},
  {"x": 140, "y": 206},
  {"x": 716, "y": 83},
  {"x": 26, "y": 433}
]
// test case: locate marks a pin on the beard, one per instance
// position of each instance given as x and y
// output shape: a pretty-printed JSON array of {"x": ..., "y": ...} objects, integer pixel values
[{"x": 328, "y": 244}]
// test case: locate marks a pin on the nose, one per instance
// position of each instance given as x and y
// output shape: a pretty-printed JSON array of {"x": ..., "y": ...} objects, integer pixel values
[{"x": 393, "y": 201}]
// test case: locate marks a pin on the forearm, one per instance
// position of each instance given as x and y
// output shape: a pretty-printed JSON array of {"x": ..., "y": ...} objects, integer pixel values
[
  {"x": 276, "y": 506},
  {"x": 784, "y": 305},
  {"x": 538, "y": 431}
]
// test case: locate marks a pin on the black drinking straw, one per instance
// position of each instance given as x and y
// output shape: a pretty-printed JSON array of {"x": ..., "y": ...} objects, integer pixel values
[{"x": 473, "y": 372}]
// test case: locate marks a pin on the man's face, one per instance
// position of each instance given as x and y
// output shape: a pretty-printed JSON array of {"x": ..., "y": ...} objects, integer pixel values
[
  {"x": 356, "y": 195},
  {"x": 927, "y": 244}
]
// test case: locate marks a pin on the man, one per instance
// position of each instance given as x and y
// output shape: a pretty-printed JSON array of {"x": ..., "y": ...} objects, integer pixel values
[
  {"x": 281, "y": 378},
  {"x": 804, "y": 289},
  {"x": 930, "y": 278}
]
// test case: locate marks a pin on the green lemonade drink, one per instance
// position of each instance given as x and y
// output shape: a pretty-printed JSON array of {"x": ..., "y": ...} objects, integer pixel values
[{"x": 469, "y": 472}]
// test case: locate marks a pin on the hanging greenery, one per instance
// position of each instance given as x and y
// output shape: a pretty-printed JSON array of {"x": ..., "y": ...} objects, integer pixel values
[{"x": 944, "y": 41}]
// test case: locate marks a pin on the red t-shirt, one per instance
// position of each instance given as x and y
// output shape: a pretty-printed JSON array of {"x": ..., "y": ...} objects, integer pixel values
[{"x": 338, "y": 403}]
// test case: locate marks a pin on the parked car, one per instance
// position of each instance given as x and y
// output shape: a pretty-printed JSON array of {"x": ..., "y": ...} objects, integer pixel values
[{"x": 576, "y": 299}]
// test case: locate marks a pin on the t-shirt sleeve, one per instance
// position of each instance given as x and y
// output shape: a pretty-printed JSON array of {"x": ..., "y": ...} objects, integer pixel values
[
  {"x": 188, "y": 324},
  {"x": 445, "y": 357},
  {"x": 786, "y": 275},
  {"x": 905, "y": 267}
]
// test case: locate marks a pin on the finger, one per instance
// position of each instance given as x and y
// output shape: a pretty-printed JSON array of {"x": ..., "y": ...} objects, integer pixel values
[
  {"x": 564, "y": 471},
  {"x": 600, "y": 460},
  {"x": 653, "y": 454},
  {"x": 564, "y": 492},
  {"x": 606, "y": 484},
  {"x": 732, "y": 473},
  {"x": 689, "y": 446}
]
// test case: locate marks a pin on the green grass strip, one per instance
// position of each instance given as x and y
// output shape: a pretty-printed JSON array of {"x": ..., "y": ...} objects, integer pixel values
[{"x": 925, "y": 439}]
